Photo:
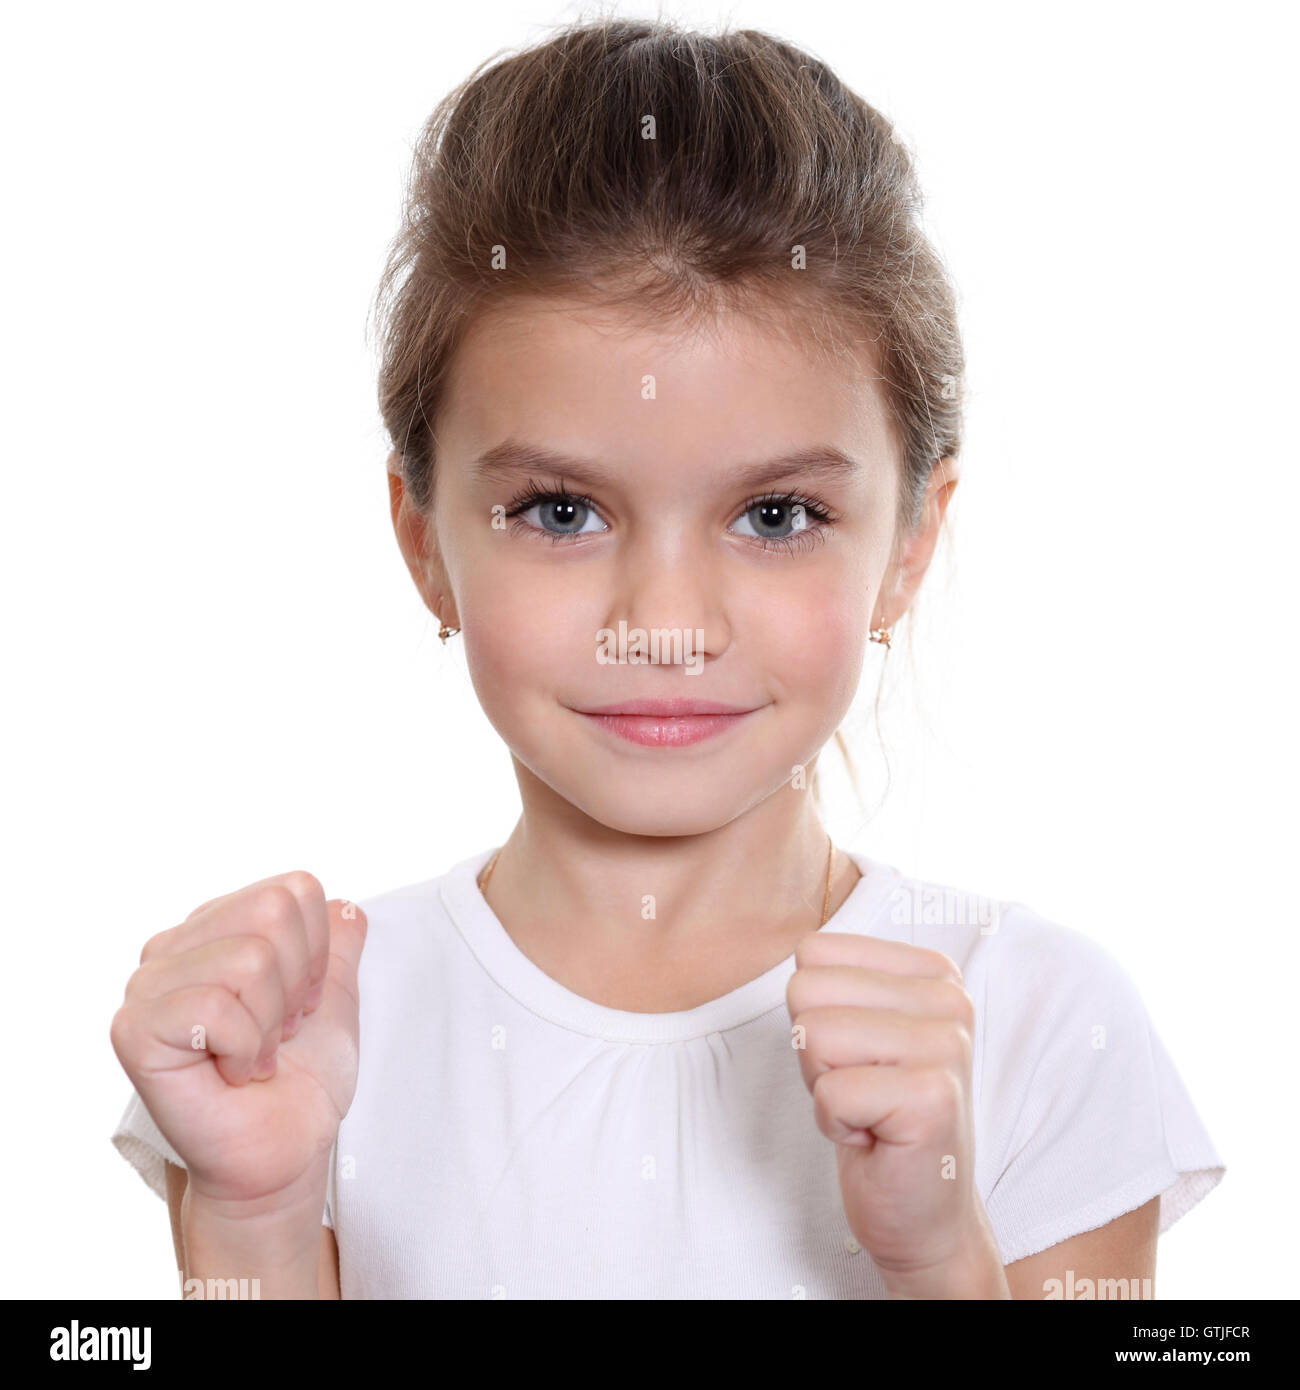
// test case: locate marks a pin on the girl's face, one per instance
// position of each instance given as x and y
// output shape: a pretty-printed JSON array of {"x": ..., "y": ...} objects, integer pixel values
[{"x": 667, "y": 505}]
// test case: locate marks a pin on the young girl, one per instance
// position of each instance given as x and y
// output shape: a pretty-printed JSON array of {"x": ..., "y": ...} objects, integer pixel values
[{"x": 672, "y": 381}]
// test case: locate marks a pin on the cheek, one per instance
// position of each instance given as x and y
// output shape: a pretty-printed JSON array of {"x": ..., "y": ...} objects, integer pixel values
[
  {"x": 520, "y": 641},
  {"x": 813, "y": 639}
]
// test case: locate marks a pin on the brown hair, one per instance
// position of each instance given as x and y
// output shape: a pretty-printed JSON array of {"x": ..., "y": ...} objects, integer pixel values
[{"x": 757, "y": 149}]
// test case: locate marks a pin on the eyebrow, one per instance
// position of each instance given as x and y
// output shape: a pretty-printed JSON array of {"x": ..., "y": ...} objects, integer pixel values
[{"x": 512, "y": 457}]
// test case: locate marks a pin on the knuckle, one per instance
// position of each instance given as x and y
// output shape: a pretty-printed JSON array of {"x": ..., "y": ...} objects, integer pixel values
[
  {"x": 156, "y": 943},
  {"x": 805, "y": 950},
  {"x": 135, "y": 983},
  {"x": 940, "y": 1088},
  {"x": 304, "y": 885},
  {"x": 959, "y": 1002},
  {"x": 821, "y": 1089},
  {"x": 827, "y": 1083},
  {"x": 960, "y": 1044},
  {"x": 946, "y": 964},
  {"x": 950, "y": 1042},
  {"x": 121, "y": 1031},
  {"x": 215, "y": 1006},
  {"x": 254, "y": 958},
  {"x": 274, "y": 909},
  {"x": 818, "y": 1050}
]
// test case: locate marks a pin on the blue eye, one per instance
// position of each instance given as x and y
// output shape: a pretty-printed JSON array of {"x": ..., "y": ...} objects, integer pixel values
[
  {"x": 784, "y": 521},
  {"x": 563, "y": 516},
  {"x": 777, "y": 520},
  {"x": 558, "y": 513}
]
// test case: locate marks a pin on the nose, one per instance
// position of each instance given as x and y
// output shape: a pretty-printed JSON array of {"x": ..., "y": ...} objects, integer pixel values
[{"x": 671, "y": 582}]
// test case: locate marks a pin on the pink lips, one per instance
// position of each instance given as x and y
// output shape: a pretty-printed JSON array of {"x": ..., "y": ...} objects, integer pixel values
[{"x": 667, "y": 723}]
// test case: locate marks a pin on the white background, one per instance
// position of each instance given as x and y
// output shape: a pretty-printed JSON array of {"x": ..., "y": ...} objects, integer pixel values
[{"x": 218, "y": 669}]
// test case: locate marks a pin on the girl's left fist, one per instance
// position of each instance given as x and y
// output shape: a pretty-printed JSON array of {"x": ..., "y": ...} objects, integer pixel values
[{"x": 885, "y": 1034}]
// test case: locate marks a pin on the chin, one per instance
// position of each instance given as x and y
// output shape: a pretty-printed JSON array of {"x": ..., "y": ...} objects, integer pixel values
[
  {"x": 660, "y": 803},
  {"x": 671, "y": 823}
]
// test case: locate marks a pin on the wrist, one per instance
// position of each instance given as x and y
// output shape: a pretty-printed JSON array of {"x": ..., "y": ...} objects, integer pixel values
[
  {"x": 973, "y": 1270},
  {"x": 251, "y": 1249}
]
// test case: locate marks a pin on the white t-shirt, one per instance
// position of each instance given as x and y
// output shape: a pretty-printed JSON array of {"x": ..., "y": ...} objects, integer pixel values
[{"x": 511, "y": 1139}]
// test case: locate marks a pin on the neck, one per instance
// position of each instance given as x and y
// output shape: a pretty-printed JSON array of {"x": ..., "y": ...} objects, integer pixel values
[{"x": 663, "y": 918}]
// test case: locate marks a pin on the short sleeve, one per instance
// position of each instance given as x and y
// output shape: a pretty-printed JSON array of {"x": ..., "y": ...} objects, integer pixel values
[
  {"x": 1085, "y": 1114},
  {"x": 141, "y": 1143},
  {"x": 331, "y": 1190},
  {"x": 139, "y": 1140}
]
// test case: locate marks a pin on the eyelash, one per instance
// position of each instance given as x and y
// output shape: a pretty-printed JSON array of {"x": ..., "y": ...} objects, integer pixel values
[
  {"x": 819, "y": 517},
  {"x": 556, "y": 491}
]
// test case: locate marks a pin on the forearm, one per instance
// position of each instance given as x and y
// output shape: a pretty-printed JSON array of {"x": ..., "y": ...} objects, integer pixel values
[{"x": 230, "y": 1255}]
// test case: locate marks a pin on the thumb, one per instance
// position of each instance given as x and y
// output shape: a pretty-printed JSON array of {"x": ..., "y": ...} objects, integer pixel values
[{"x": 348, "y": 927}]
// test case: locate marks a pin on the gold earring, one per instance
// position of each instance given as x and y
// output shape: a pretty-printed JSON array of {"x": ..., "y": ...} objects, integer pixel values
[
  {"x": 443, "y": 630},
  {"x": 882, "y": 634}
]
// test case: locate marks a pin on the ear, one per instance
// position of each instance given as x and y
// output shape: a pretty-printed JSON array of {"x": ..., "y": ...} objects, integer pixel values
[
  {"x": 914, "y": 551},
  {"x": 417, "y": 540}
]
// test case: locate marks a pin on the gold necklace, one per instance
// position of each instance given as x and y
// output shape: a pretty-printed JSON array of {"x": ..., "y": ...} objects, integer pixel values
[{"x": 826, "y": 896}]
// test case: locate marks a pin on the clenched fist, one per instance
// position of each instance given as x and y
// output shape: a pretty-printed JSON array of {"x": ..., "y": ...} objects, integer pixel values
[
  {"x": 239, "y": 1030},
  {"x": 884, "y": 1032}
]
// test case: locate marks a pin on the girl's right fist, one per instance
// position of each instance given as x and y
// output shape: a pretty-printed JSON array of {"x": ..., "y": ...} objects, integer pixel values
[{"x": 240, "y": 1033}]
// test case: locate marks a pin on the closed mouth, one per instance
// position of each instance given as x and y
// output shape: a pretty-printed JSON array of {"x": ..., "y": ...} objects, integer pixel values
[{"x": 668, "y": 723}]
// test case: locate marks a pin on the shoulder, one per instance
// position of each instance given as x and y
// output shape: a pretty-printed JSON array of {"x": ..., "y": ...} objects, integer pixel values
[
  {"x": 1043, "y": 956},
  {"x": 1041, "y": 988},
  {"x": 1000, "y": 943},
  {"x": 1065, "y": 1039},
  {"x": 395, "y": 909},
  {"x": 1061, "y": 1017},
  {"x": 1036, "y": 972}
]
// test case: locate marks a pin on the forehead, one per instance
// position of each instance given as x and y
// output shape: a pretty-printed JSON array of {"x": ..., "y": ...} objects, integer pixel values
[{"x": 734, "y": 384}]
